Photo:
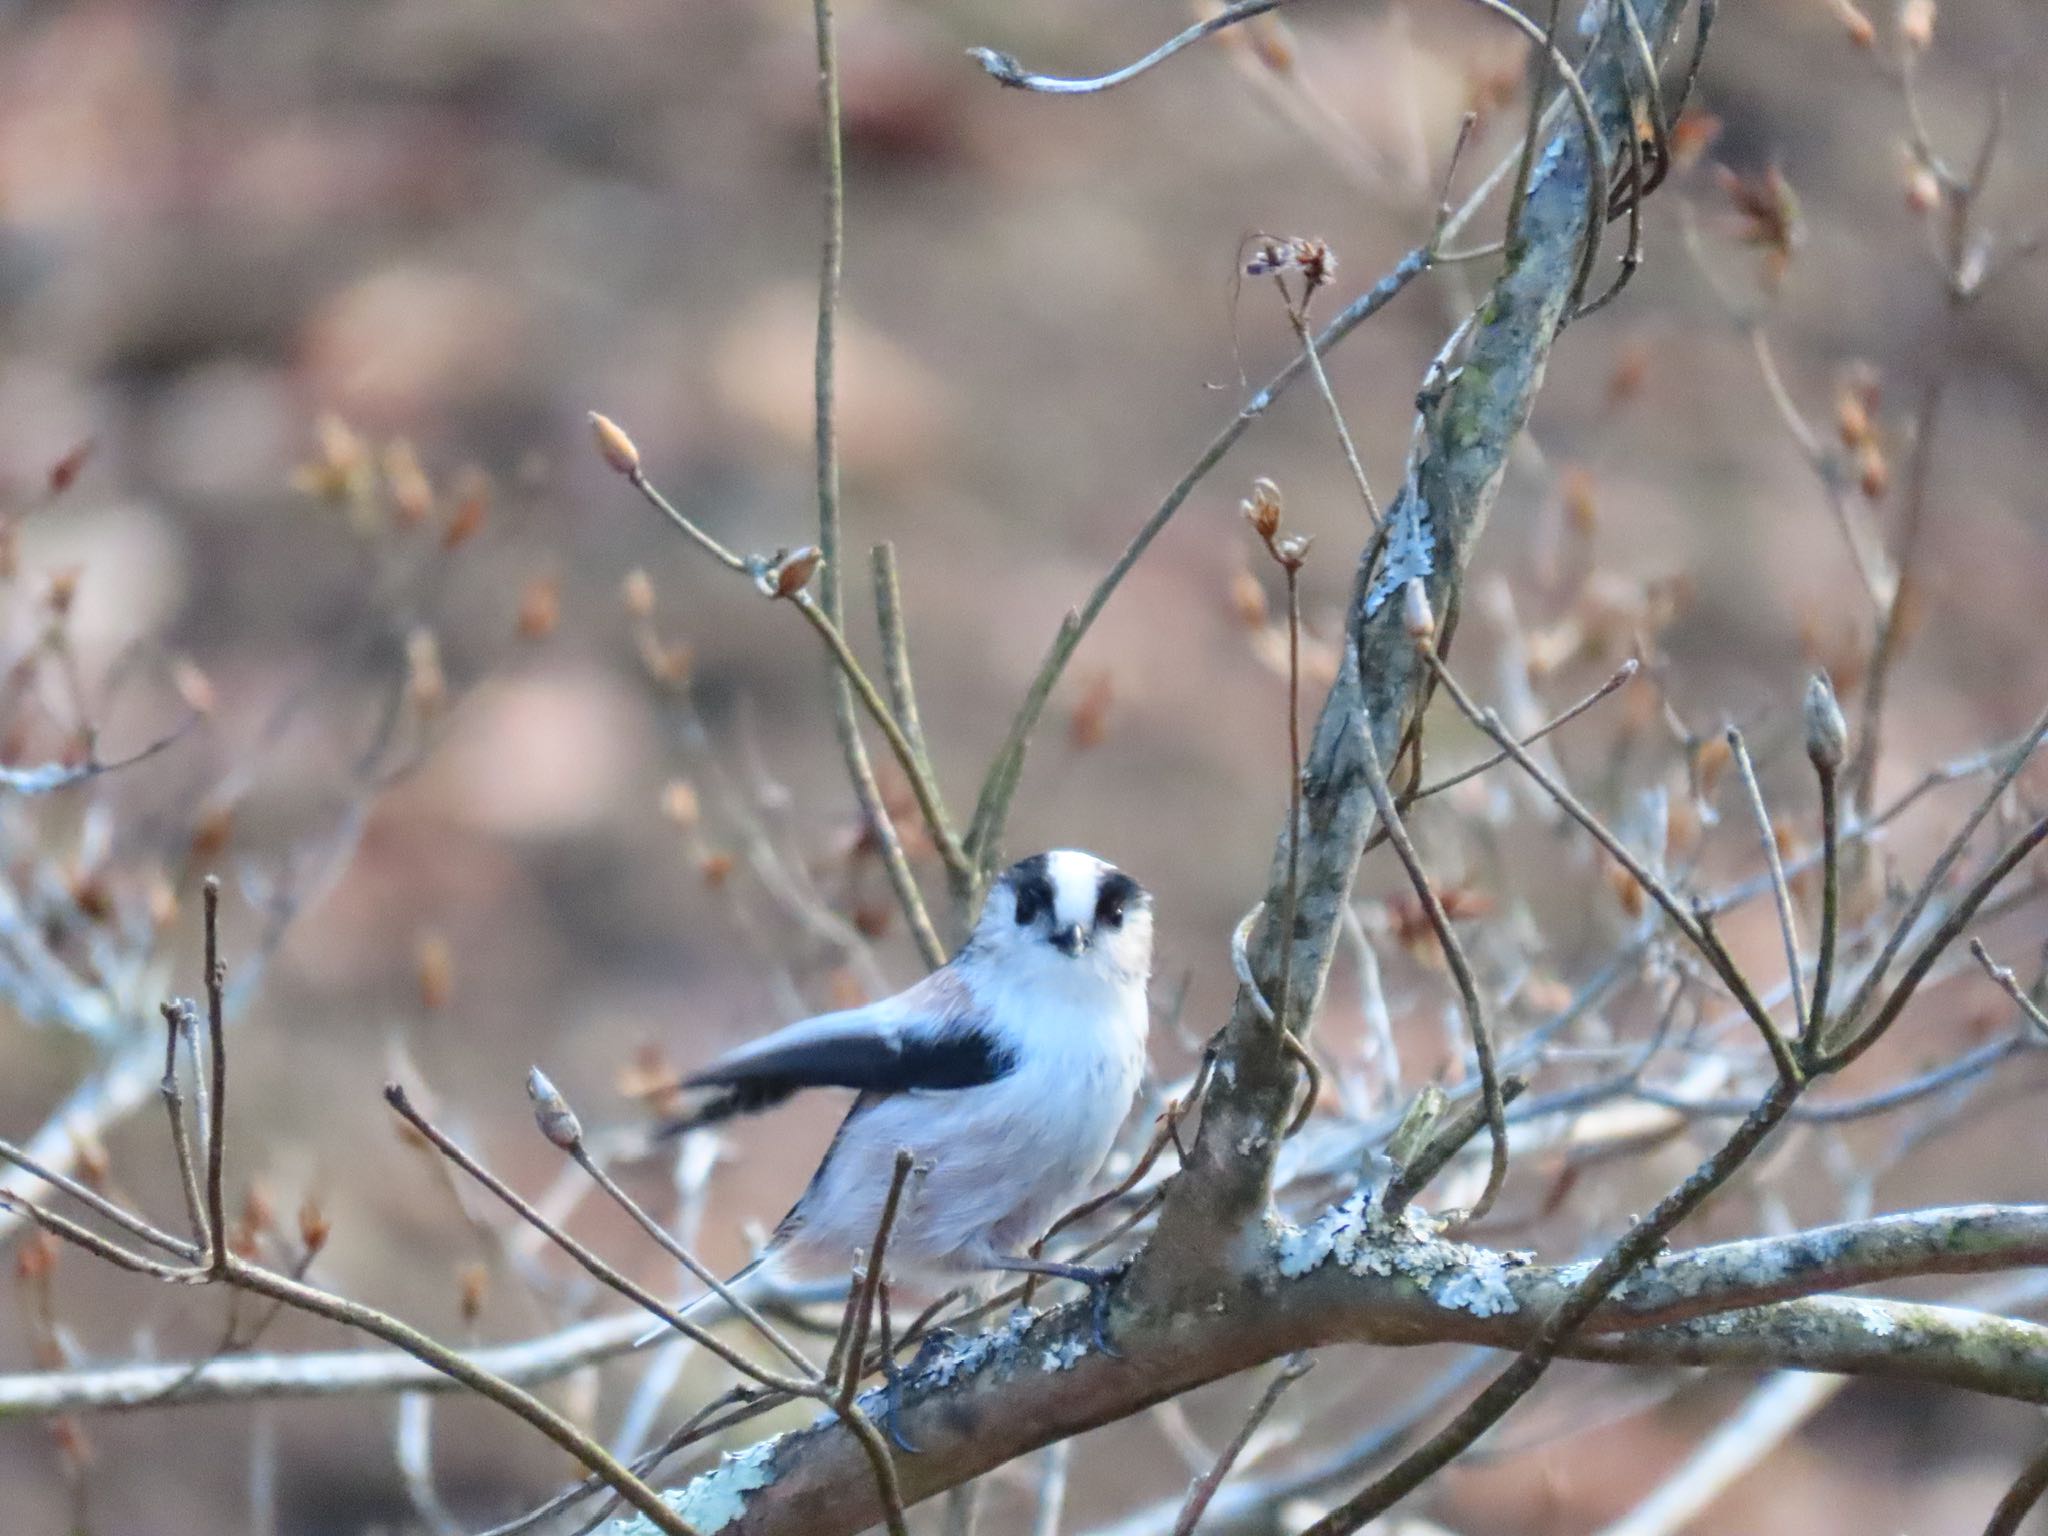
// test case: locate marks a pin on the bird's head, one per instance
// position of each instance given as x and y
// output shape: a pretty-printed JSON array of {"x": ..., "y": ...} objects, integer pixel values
[{"x": 1073, "y": 908}]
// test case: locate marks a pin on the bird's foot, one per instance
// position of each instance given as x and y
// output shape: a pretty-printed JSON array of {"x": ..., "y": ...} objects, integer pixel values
[{"x": 893, "y": 1375}]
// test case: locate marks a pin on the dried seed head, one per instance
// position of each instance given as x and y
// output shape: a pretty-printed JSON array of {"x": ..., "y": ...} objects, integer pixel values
[
  {"x": 1262, "y": 508},
  {"x": 1417, "y": 617},
  {"x": 1827, "y": 733},
  {"x": 614, "y": 445},
  {"x": 1292, "y": 551},
  {"x": 551, "y": 1112},
  {"x": 1916, "y": 24}
]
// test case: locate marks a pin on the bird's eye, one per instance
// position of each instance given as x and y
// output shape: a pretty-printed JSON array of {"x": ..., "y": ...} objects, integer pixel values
[{"x": 1116, "y": 892}]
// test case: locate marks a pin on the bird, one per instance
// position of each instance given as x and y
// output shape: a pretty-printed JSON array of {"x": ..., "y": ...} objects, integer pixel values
[{"x": 1006, "y": 1074}]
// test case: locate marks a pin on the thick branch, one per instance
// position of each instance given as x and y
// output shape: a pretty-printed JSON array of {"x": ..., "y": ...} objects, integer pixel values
[{"x": 1356, "y": 1278}]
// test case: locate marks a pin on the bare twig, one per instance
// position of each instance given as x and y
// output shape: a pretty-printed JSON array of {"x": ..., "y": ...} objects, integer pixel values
[
  {"x": 595, "y": 1267},
  {"x": 1787, "y": 926},
  {"x": 1454, "y": 958},
  {"x": 1292, "y": 1369},
  {"x": 2019, "y": 1499},
  {"x": 217, "y": 1059},
  {"x": 1007, "y": 71},
  {"x": 2009, "y": 985}
]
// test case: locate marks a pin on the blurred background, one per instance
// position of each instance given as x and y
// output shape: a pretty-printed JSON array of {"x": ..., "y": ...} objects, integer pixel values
[{"x": 327, "y": 288}]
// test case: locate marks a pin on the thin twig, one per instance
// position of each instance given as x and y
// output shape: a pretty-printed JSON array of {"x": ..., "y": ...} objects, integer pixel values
[
  {"x": 1448, "y": 1140},
  {"x": 597, "y": 1268},
  {"x": 179, "y": 1024},
  {"x": 1297, "y": 316},
  {"x": 133, "y": 1225},
  {"x": 217, "y": 1059},
  {"x": 741, "y": 1308},
  {"x": 1635, "y": 1247},
  {"x": 1787, "y": 926},
  {"x": 861, "y": 1304},
  {"x": 1292, "y": 1369},
  {"x": 849, "y": 678},
  {"x": 889, "y": 621},
  {"x": 999, "y": 786},
  {"x": 2010, "y": 986},
  {"x": 1454, "y": 958},
  {"x": 2020, "y": 1499},
  {"x": 1007, "y": 71},
  {"x": 1937, "y": 873}
]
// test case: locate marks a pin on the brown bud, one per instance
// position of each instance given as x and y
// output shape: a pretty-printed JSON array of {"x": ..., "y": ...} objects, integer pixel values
[
  {"x": 36, "y": 1258},
  {"x": 472, "y": 506},
  {"x": 1873, "y": 471},
  {"x": 412, "y": 493},
  {"x": 1856, "y": 24},
  {"x": 1581, "y": 509},
  {"x": 614, "y": 445},
  {"x": 314, "y": 1227},
  {"x": 1417, "y": 617},
  {"x": 434, "y": 969},
  {"x": 680, "y": 805},
  {"x": 426, "y": 683},
  {"x": 637, "y": 593},
  {"x": 1923, "y": 189},
  {"x": 716, "y": 868},
  {"x": 1089, "y": 723},
  {"x": 211, "y": 833},
  {"x": 93, "y": 1164},
  {"x": 472, "y": 1287},
  {"x": 1248, "y": 600},
  {"x": 792, "y": 572},
  {"x": 1852, "y": 419},
  {"x": 1262, "y": 508},
  {"x": 194, "y": 687},
  {"x": 1827, "y": 733},
  {"x": 551, "y": 1112},
  {"x": 540, "y": 608},
  {"x": 65, "y": 471},
  {"x": 1916, "y": 24},
  {"x": 62, "y": 590}
]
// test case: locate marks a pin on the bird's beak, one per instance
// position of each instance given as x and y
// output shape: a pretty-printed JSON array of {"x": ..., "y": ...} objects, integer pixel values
[{"x": 1070, "y": 940}]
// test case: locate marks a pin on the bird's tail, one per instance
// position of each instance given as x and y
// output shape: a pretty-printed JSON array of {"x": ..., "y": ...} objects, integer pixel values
[{"x": 709, "y": 1310}]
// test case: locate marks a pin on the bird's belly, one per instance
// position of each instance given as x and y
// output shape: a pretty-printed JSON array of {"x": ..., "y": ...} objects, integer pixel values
[{"x": 995, "y": 1165}]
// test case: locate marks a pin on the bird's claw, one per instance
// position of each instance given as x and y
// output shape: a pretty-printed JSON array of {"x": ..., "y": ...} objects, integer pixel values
[
  {"x": 1098, "y": 1314},
  {"x": 892, "y": 1402}
]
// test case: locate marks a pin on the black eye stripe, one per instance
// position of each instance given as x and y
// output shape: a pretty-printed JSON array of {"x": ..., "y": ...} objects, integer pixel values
[{"x": 1033, "y": 887}]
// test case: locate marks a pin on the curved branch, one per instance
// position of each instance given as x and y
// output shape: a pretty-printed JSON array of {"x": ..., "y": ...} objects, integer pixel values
[{"x": 1007, "y": 71}]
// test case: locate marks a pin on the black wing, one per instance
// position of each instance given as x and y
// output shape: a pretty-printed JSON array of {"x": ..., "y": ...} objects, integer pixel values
[{"x": 922, "y": 1038}]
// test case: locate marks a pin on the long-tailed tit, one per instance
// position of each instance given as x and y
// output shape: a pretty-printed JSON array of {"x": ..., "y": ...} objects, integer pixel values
[{"x": 1006, "y": 1073}]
